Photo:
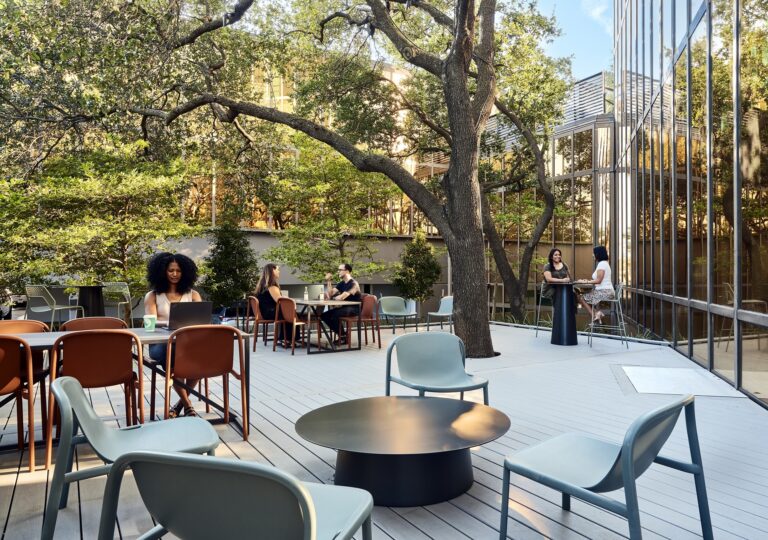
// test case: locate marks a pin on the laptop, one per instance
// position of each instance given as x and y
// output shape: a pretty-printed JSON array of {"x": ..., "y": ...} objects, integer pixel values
[{"x": 189, "y": 314}]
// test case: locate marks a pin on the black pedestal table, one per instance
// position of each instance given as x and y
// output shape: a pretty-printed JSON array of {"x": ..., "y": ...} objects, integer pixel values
[
  {"x": 406, "y": 451},
  {"x": 564, "y": 315}
]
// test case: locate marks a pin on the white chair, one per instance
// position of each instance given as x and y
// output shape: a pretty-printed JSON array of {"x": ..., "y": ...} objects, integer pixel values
[
  {"x": 117, "y": 295},
  {"x": 40, "y": 295},
  {"x": 198, "y": 497},
  {"x": 615, "y": 308},
  {"x": 444, "y": 311}
]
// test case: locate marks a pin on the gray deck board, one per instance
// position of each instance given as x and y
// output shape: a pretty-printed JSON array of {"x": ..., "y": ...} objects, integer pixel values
[{"x": 545, "y": 390}]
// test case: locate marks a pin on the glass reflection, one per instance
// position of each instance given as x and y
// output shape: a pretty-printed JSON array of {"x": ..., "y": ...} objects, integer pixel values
[
  {"x": 681, "y": 177},
  {"x": 698, "y": 97},
  {"x": 563, "y": 156},
  {"x": 722, "y": 150},
  {"x": 582, "y": 151},
  {"x": 754, "y": 154},
  {"x": 582, "y": 207},
  {"x": 754, "y": 351}
]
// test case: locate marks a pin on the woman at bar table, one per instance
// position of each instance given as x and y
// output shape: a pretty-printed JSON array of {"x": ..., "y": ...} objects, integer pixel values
[{"x": 601, "y": 279}]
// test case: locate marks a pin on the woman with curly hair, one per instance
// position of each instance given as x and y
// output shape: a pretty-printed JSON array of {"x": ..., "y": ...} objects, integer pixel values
[{"x": 171, "y": 277}]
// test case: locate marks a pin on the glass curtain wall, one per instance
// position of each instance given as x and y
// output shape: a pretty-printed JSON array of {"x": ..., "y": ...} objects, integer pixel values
[{"x": 691, "y": 197}]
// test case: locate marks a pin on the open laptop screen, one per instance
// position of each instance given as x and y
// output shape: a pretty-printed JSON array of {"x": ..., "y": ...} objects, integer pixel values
[{"x": 189, "y": 313}]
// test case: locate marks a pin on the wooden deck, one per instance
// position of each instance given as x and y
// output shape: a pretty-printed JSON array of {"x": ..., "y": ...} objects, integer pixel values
[{"x": 545, "y": 390}]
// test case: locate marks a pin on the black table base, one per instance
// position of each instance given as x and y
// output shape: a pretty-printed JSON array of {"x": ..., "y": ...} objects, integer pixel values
[
  {"x": 406, "y": 480},
  {"x": 564, "y": 315}
]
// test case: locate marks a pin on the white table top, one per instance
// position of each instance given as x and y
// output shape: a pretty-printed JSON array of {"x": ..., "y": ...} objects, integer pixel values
[{"x": 45, "y": 340}]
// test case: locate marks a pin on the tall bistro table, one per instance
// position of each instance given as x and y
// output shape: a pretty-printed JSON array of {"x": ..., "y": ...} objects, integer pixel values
[
  {"x": 405, "y": 450},
  {"x": 564, "y": 315},
  {"x": 43, "y": 341},
  {"x": 316, "y": 307}
]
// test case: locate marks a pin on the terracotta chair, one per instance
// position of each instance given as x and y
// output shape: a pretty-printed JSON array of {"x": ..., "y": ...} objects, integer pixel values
[
  {"x": 286, "y": 314},
  {"x": 368, "y": 315},
  {"x": 97, "y": 359},
  {"x": 253, "y": 311},
  {"x": 202, "y": 352},
  {"x": 15, "y": 369},
  {"x": 39, "y": 371},
  {"x": 93, "y": 323}
]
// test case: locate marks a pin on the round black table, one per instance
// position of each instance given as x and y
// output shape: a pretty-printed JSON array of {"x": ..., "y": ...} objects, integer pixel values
[
  {"x": 406, "y": 451},
  {"x": 564, "y": 315}
]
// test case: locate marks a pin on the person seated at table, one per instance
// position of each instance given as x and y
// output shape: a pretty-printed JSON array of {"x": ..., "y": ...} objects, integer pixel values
[
  {"x": 601, "y": 279},
  {"x": 267, "y": 293},
  {"x": 347, "y": 289},
  {"x": 555, "y": 271},
  {"x": 170, "y": 277}
]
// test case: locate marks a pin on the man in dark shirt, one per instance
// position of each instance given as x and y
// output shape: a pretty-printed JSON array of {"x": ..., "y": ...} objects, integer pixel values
[{"x": 346, "y": 289}]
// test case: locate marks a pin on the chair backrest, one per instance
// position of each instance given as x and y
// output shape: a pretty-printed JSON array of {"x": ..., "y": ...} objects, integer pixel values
[
  {"x": 369, "y": 305},
  {"x": 253, "y": 307},
  {"x": 71, "y": 398},
  {"x": 428, "y": 358},
  {"x": 22, "y": 326},
  {"x": 240, "y": 499},
  {"x": 40, "y": 291},
  {"x": 11, "y": 366},
  {"x": 116, "y": 290},
  {"x": 446, "y": 305},
  {"x": 204, "y": 350},
  {"x": 286, "y": 309},
  {"x": 643, "y": 442},
  {"x": 96, "y": 358},
  {"x": 392, "y": 304},
  {"x": 618, "y": 290},
  {"x": 93, "y": 323}
]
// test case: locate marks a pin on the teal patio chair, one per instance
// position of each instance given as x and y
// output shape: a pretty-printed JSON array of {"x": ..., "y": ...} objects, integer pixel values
[
  {"x": 193, "y": 435},
  {"x": 393, "y": 308},
  {"x": 432, "y": 363},
  {"x": 583, "y": 466},
  {"x": 444, "y": 311},
  {"x": 197, "y": 497},
  {"x": 40, "y": 301}
]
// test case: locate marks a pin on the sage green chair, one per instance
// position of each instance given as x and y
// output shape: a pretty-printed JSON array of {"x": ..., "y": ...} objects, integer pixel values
[
  {"x": 193, "y": 435},
  {"x": 198, "y": 497},
  {"x": 583, "y": 466},
  {"x": 40, "y": 301},
  {"x": 432, "y": 362},
  {"x": 444, "y": 311},
  {"x": 393, "y": 308}
]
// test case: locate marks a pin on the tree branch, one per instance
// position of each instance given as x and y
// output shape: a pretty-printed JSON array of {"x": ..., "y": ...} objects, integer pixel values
[
  {"x": 363, "y": 161},
  {"x": 409, "y": 50},
  {"x": 227, "y": 19},
  {"x": 423, "y": 116},
  {"x": 482, "y": 103},
  {"x": 438, "y": 16}
]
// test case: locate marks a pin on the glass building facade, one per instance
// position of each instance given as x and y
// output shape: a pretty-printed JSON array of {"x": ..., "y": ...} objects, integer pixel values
[{"x": 691, "y": 190}]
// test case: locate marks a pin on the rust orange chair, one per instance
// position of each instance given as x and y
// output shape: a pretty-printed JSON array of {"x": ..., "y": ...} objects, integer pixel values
[
  {"x": 98, "y": 359},
  {"x": 285, "y": 314},
  {"x": 15, "y": 374},
  {"x": 202, "y": 352},
  {"x": 258, "y": 320},
  {"x": 39, "y": 371},
  {"x": 93, "y": 323},
  {"x": 369, "y": 315}
]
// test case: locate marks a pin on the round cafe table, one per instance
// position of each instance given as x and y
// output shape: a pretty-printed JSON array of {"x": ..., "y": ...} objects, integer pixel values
[{"x": 404, "y": 450}]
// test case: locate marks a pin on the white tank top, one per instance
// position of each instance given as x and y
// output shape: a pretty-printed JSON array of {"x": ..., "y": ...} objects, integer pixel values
[{"x": 164, "y": 306}]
